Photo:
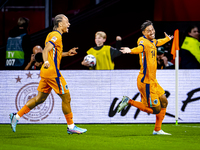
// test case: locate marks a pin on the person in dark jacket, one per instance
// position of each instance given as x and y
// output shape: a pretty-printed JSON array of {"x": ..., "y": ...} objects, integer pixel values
[
  {"x": 190, "y": 49},
  {"x": 18, "y": 48}
]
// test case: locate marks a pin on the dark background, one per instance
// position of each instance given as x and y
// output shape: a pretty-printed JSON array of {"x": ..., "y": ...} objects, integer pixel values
[{"x": 115, "y": 17}]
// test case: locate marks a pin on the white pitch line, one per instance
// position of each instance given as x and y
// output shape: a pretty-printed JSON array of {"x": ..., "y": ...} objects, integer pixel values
[{"x": 187, "y": 126}]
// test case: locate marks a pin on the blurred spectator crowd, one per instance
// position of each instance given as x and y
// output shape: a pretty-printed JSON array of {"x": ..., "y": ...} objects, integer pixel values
[{"x": 21, "y": 56}]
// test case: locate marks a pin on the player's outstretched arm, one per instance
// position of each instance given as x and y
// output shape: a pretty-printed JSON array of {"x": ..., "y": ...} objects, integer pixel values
[
  {"x": 170, "y": 36},
  {"x": 135, "y": 50},
  {"x": 125, "y": 50},
  {"x": 167, "y": 38},
  {"x": 71, "y": 52}
]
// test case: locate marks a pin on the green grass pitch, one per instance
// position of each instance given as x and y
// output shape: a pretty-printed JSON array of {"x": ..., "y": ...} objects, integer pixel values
[{"x": 99, "y": 137}]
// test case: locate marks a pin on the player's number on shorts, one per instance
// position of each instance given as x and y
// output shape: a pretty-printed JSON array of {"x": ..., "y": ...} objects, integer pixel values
[
  {"x": 10, "y": 62},
  {"x": 153, "y": 53}
]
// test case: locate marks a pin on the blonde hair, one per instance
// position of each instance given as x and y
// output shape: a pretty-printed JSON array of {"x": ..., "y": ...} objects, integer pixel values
[
  {"x": 58, "y": 19},
  {"x": 101, "y": 34}
]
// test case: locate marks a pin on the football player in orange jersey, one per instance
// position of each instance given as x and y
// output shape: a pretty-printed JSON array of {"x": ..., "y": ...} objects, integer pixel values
[
  {"x": 51, "y": 78},
  {"x": 153, "y": 99}
]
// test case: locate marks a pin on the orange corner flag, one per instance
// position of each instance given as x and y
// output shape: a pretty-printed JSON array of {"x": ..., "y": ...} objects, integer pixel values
[{"x": 175, "y": 43}]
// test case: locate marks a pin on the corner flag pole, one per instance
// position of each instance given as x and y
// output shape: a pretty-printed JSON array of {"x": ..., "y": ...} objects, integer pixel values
[
  {"x": 175, "y": 53},
  {"x": 177, "y": 68}
]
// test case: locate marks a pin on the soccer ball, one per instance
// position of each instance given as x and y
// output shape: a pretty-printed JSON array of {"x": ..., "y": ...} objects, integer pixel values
[{"x": 90, "y": 58}]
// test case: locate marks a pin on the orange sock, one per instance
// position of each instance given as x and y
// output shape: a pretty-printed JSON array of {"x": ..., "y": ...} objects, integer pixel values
[
  {"x": 69, "y": 118},
  {"x": 159, "y": 119},
  {"x": 141, "y": 106},
  {"x": 23, "y": 111}
]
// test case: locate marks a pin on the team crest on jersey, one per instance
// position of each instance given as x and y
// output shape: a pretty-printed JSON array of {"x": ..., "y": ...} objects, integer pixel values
[
  {"x": 54, "y": 39},
  {"x": 66, "y": 87},
  {"x": 155, "y": 101},
  {"x": 141, "y": 42}
]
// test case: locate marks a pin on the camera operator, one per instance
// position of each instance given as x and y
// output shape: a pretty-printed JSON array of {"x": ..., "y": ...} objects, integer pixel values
[
  {"x": 162, "y": 60},
  {"x": 36, "y": 60}
]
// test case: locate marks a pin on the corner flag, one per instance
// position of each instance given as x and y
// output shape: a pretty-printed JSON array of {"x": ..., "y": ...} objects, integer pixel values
[{"x": 175, "y": 43}]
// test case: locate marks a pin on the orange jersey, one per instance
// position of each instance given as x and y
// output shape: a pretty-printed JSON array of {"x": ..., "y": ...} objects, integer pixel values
[
  {"x": 148, "y": 57},
  {"x": 54, "y": 55}
]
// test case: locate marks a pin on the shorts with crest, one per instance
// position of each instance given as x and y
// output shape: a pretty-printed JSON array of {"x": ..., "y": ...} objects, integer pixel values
[
  {"x": 59, "y": 85},
  {"x": 150, "y": 93}
]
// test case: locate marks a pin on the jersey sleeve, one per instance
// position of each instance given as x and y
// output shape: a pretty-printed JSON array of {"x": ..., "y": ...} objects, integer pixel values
[
  {"x": 139, "y": 48},
  {"x": 160, "y": 42},
  {"x": 54, "y": 39}
]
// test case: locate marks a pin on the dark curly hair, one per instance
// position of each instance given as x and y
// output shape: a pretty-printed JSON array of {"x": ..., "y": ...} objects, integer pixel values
[{"x": 146, "y": 24}]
